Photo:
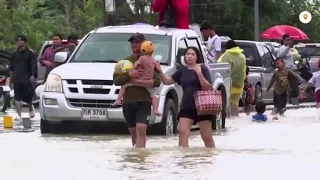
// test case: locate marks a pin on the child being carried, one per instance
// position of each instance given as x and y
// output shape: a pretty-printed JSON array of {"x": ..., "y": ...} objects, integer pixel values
[{"x": 146, "y": 63}]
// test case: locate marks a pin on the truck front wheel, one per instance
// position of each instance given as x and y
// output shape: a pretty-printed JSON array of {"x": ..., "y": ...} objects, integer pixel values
[
  {"x": 46, "y": 127},
  {"x": 219, "y": 121},
  {"x": 168, "y": 125}
]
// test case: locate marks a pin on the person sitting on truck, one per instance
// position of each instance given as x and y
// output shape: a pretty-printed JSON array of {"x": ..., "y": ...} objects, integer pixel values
[
  {"x": 47, "y": 58},
  {"x": 192, "y": 78},
  {"x": 136, "y": 100},
  {"x": 237, "y": 61},
  {"x": 147, "y": 64},
  {"x": 70, "y": 46},
  {"x": 171, "y": 15}
]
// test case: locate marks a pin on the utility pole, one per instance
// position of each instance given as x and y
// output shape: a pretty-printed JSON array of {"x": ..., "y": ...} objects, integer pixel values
[
  {"x": 256, "y": 20},
  {"x": 104, "y": 13},
  {"x": 108, "y": 11}
]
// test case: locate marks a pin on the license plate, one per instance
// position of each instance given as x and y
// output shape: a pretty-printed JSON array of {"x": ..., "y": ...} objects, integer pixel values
[{"x": 94, "y": 114}]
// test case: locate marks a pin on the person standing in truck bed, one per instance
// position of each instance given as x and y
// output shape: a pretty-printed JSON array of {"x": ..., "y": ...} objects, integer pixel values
[
  {"x": 23, "y": 67},
  {"x": 136, "y": 100},
  {"x": 47, "y": 58}
]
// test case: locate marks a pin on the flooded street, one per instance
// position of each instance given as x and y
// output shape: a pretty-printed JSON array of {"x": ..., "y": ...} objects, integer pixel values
[{"x": 284, "y": 149}]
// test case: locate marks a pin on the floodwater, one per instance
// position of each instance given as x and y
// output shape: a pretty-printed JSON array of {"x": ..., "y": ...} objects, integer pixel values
[{"x": 284, "y": 149}]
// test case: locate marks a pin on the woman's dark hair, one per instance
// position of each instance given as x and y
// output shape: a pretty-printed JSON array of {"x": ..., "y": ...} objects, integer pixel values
[
  {"x": 260, "y": 107},
  {"x": 199, "y": 57},
  {"x": 231, "y": 44},
  {"x": 57, "y": 35}
]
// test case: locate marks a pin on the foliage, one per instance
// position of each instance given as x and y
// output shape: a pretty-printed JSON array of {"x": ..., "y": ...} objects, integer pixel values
[{"x": 39, "y": 19}]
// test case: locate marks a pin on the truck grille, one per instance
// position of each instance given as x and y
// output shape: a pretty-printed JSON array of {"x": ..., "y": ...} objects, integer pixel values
[
  {"x": 91, "y": 103},
  {"x": 97, "y": 82},
  {"x": 86, "y": 86}
]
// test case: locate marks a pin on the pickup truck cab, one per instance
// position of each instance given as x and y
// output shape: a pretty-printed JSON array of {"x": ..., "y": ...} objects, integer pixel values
[
  {"x": 260, "y": 61},
  {"x": 82, "y": 89}
]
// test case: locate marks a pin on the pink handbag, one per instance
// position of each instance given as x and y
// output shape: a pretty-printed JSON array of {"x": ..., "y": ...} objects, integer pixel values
[{"x": 208, "y": 102}]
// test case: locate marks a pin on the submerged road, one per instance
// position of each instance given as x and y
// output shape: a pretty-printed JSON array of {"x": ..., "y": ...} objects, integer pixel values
[{"x": 284, "y": 149}]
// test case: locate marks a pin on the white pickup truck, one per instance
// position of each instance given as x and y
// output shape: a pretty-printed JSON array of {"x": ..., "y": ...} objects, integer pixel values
[{"x": 82, "y": 89}]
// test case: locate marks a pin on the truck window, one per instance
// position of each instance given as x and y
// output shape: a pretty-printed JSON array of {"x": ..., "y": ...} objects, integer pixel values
[
  {"x": 248, "y": 51},
  {"x": 182, "y": 47},
  {"x": 112, "y": 47},
  {"x": 267, "y": 58}
]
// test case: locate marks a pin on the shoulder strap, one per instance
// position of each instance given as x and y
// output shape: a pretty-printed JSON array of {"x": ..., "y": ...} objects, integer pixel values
[{"x": 209, "y": 50}]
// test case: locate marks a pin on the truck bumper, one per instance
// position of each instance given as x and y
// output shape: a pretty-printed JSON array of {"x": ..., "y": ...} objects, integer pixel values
[{"x": 56, "y": 107}]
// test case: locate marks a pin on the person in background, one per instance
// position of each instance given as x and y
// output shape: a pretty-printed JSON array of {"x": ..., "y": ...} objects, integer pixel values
[
  {"x": 260, "y": 110},
  {"x": 192, "y": 78},
  {"x": 237, "y": 61},
  {"x": 177, "y": 15},
  {"x": 70, "y": 46},
  {"x": 47, "y": 58},
  {"x": 285, "y": 53},
  {"x": 23, "y": 67},
  {"x": 213, "y": 41},
  {"x": 281, "y": 77},
  {"x": 136, "y": 104},
  {"x": 315, "y": 82}
]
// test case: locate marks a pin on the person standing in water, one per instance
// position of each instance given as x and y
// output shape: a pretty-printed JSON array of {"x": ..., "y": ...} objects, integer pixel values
[
  {"x": 23, "y": 67},
  {"x": 282, "y": 78}
]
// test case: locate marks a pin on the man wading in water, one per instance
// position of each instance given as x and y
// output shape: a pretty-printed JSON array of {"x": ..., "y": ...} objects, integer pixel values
[
  {"x": 136, "y": 100},
  {"x": 23, "y": 67}
]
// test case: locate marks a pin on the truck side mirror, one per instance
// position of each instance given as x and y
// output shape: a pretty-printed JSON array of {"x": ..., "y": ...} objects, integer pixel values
[{"x": 60, "y": 57}]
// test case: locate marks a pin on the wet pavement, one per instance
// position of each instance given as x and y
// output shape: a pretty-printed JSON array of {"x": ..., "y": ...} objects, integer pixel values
[{"x": 284, "y": 149}]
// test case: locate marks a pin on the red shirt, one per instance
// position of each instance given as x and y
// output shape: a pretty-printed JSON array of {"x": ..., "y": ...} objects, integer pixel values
[{"x": 182, "y": 11}]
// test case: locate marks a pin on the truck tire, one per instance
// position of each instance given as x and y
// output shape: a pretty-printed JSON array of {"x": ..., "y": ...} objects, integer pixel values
[
  {"x": 219, "y": 121},
  {"x": 168, "y": 125},
  {"x": 6, "y": 101},
  {"x": 47, "y": 128},
  {"x": 257, "y": 93}
]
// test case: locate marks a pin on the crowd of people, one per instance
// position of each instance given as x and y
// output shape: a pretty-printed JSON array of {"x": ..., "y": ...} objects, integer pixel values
[{"x": 23, "y": 68}]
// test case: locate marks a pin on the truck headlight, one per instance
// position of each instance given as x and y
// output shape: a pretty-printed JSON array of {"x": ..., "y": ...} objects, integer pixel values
[{"x": 53, "y": 83}]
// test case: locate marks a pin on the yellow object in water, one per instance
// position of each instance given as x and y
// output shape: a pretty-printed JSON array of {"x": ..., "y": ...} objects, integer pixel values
[
  {"x": 123, "y": 66},
  {"x": 7, "y": 121},
  {"x": 235, "y": 95}
]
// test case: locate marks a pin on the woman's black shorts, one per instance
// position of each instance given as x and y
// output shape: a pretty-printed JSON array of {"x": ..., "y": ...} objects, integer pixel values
[{"x": 192, "y": 114}]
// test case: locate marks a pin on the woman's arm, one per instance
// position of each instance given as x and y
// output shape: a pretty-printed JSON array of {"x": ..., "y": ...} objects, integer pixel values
[
  {"x": 167, "y": 80},
  {"x": 204, "y": 77}
]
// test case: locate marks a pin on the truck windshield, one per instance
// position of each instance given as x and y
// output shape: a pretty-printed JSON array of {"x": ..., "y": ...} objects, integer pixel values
[{"x": 112, "y": 47}]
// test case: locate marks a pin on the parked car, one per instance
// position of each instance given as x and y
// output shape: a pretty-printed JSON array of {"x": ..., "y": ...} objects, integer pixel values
[
  {"x": 67, "y": 96},
  {"x": 260, "y": 61},
  {"x": 313, "y": 51},
  {"x": 273, "y": 47}
]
